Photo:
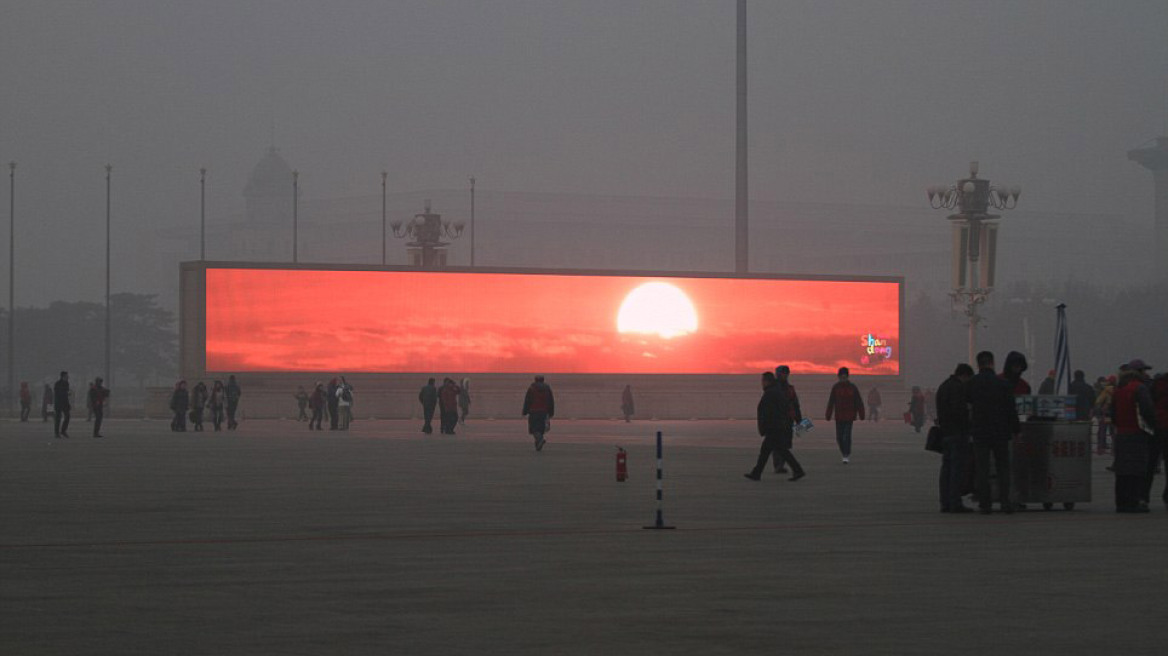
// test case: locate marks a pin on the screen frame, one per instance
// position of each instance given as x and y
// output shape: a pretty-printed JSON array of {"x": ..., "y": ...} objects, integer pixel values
[{"x": 193, "y": 302}]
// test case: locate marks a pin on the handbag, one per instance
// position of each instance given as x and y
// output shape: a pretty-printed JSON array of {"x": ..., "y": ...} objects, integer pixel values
[{"x": 935, "y": 440}]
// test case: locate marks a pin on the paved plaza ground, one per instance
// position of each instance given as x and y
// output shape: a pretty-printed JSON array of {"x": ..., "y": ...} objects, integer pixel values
[{"x": 276, "y": 540}]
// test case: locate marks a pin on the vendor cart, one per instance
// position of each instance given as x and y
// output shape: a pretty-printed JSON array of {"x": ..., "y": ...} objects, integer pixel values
[{"x": 1052, "y": 463}]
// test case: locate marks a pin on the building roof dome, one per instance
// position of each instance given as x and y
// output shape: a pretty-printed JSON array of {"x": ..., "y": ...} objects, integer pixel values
[{"x": 271, "y": 177}]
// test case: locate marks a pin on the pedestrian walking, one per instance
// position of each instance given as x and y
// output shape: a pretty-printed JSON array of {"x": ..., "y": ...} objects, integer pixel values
[
  {"x": 317, "y": 403},
  {"x": 1084, "y": 395},
  {"x": 233, "y": 392},
  {"x": 301, "y": 403},
  {"x": 428, "y": 397},
  {"x": 993, "y": 423},
  {"x": 25, "y": 401},
  {"x": 539, "y": 406},
  {"x": 96, "y": 402},
  {"x": 916, "y": 408},
  {"x": 180, "y": 402},
  {"x": 199, "y": 396},
  {"x": 957, "y": 450},
  {"x": 776, "y": 429},
  {"x": 847, "y": 404},
  {"x": 1133, "y": 404},
  {"x": 627, "y": 405},
  {"x": 794, "y": 409},
  {"x": 61, "y": 406},
  {"x": 448, "y": 405},
  {"x": 463, "y": 400},
  {"x": 217, "y": 403},
  {"x": 875, "y": 402}
]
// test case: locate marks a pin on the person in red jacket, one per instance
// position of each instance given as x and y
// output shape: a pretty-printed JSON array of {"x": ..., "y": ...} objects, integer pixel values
[
  {"x": 846, "y": 402},
  {"x": 1159, "y": 450},
  {"x": 539, "y": 406},
  {"x": 448, "y": 404},
  {"x": 1133, "y": 403}
]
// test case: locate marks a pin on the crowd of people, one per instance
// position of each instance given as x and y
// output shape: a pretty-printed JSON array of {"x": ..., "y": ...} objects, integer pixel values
[
  {"x": 222, "y": 400},
  {"x": 978, "y": 418}
]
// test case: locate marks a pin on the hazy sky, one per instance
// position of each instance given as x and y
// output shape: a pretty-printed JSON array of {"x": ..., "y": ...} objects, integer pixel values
[{"x": 865, "y": 102}]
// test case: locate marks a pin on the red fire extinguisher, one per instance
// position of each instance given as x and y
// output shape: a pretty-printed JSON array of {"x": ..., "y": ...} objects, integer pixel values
[{"x": 622, "y": 465}]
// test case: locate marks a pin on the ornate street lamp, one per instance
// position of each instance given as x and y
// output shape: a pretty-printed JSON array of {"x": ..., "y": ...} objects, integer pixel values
[
  {"x": 975, "y": 239},
  {"x": 427, "y": 230}
]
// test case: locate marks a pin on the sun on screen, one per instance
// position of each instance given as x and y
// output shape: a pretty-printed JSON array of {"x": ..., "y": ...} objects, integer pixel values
[{"x": 657, "y": 308}]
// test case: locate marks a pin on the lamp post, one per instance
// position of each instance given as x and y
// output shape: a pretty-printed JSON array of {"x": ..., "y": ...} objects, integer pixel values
[
  {"x": 975, "y": 239},
  {"x": 741, "y": 177},
  {"x": 202, "y": 214},
  {"x": 295, "y": 209},
  {"x": 12, "y": 278},
  {"x": 472, "y": 223},
  {"x": 384, "y": 175},
  {"x": 108, "y": 371},
  {"x": 427, "y": 230}
]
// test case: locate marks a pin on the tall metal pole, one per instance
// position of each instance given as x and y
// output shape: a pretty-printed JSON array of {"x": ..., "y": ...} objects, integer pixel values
[
  {"x": 472, "y": 217},
  {"x": 12, "y": 278},
  {"x": 295, "y": 218},
  {"x": 384, "y": 175},
  {"x": 202, "y": 214},
  {"x": 741, "y": 193},
  {"x": 108, "y": 372}
]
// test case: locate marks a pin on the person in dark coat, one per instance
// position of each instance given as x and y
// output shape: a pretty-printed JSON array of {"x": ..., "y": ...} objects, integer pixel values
[
  {"x": 180, "y": 402},
  {"x": 61, "y": 406},
  {"x": 1046, "y": 387},
  {"x": 628, "y": 408},
  {"x": 199, "y": 397},
  {"x": 96, "y": 401},
  {"x": 794, "y": 410},
  {"x": 334, "y": 403},
  {"x": 916, "y": 408},
  {"x": 776, "y": 429},
  {"x": 233, "y": 393},
  {"x": 1133, "y": 404},
  {"x": 428, "y": 397},
  {"x": 539, "y": 406},
  {"x": 1159, "y": 450},
  {"x": 848, "y": 405},
  {"x": 1084, "y": 395},
  {"x": 317, "y": 403},
  {"x": 993, "y": 423},
  {"x": 301, "y": 403},
  {"x": 953, "y": 420}
]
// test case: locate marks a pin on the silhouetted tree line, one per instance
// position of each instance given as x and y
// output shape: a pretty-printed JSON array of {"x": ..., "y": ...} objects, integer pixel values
[
  {"x": 71, "y": 336},
  {"x": 1106, "y": 326}
]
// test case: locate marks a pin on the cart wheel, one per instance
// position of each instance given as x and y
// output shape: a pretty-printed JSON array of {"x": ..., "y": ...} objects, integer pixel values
[
  {"x": 1070, "y": 505},
  {"x": 1047, "y": 506}
]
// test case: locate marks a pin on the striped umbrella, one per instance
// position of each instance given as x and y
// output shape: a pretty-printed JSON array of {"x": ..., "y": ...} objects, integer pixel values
[{"x": 1062, "y": 352}]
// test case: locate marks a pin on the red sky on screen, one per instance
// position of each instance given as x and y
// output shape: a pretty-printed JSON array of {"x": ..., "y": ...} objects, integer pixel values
[{"x": 421, "y": 322}]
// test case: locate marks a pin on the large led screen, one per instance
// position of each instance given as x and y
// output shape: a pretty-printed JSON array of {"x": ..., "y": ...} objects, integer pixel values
[{"x": 423, "y": 322}]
